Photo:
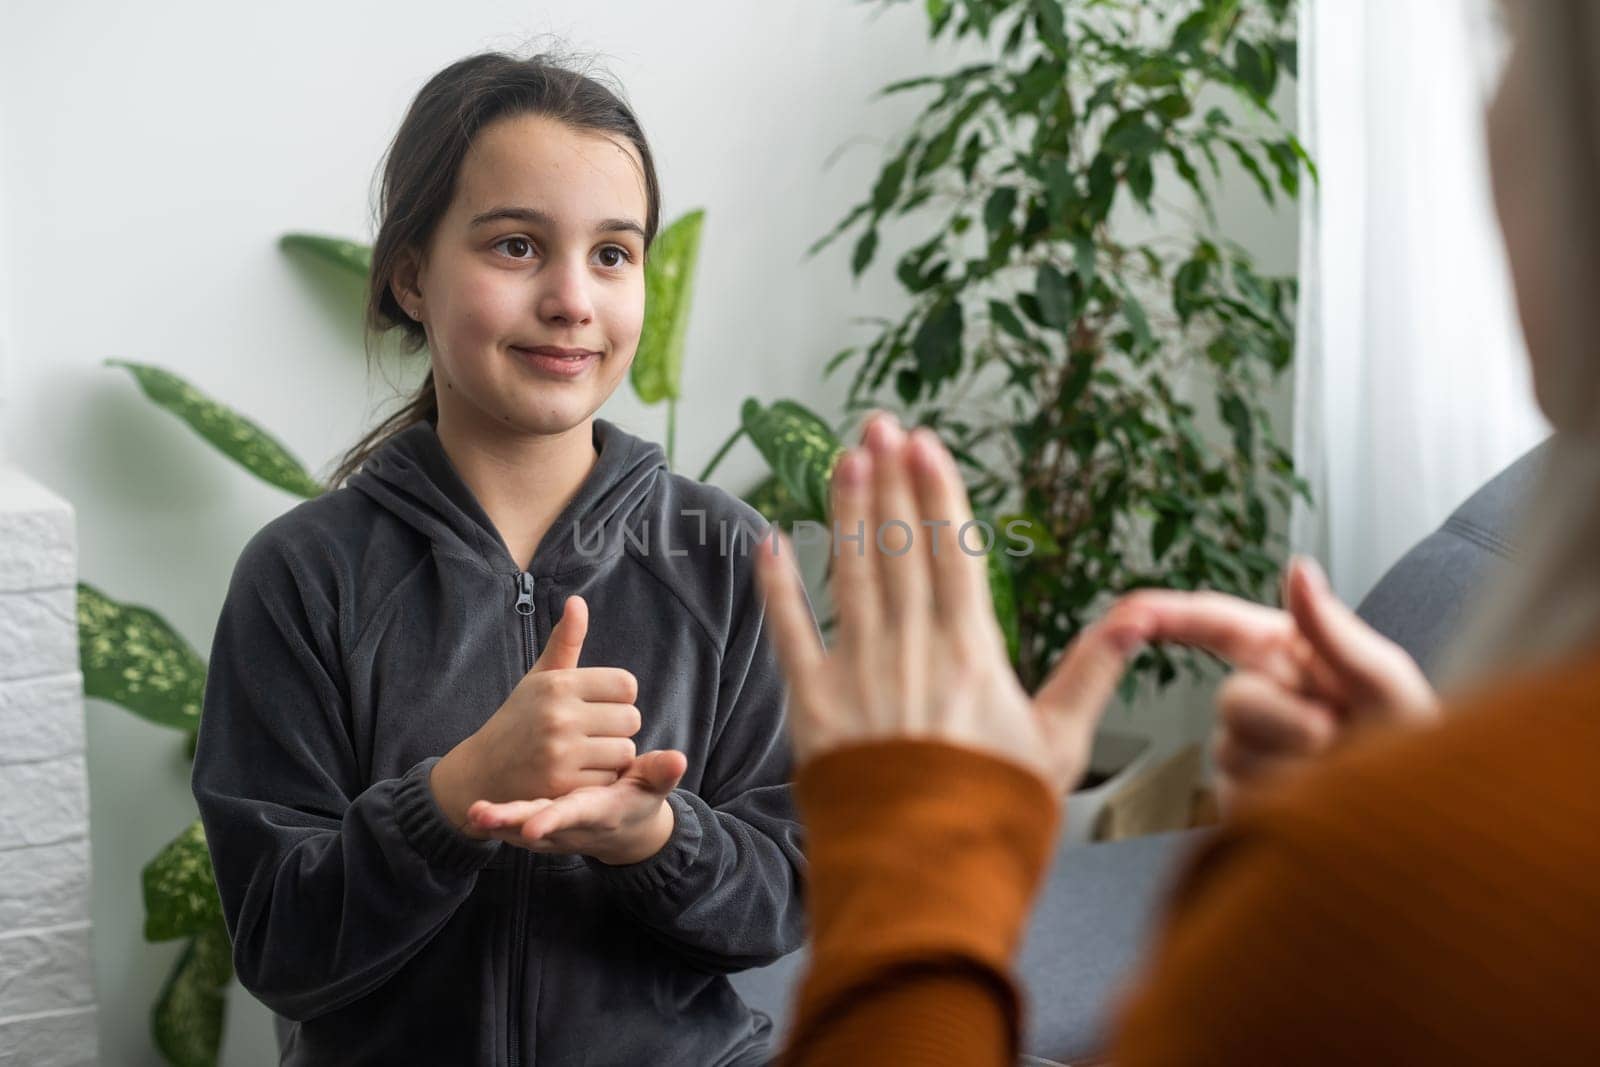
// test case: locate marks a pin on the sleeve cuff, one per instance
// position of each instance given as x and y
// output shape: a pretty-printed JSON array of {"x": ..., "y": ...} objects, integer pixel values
[
  {"x": 656, "y": 874},
  {"x": 920, "y": 852},
  {"x": 428, "y": 829}
]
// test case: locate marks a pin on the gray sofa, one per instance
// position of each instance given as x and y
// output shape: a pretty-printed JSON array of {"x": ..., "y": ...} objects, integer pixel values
[{"x": 1097, "y": 909}]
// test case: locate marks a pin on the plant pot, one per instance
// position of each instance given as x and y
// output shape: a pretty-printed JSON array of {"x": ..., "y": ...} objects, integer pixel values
[{"x": 1117, "y": 757}]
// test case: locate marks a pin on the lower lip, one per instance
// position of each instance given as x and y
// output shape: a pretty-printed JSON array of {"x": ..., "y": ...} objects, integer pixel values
[{"x": 559, "y": 366}]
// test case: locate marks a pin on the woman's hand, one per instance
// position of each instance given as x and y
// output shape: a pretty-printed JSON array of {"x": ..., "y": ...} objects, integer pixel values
[
  {"x": 1308, "y": 677},
  {"x": 919, "y": 653}
]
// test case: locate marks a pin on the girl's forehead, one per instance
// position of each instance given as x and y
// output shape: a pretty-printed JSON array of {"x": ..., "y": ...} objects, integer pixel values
[{"x": 528, "y": 158}]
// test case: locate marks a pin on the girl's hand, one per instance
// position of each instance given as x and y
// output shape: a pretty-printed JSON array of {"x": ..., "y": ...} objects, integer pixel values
[
  {"x": 1309, "y": 677},
  {"x": 625, "y": 822},
  {"x": 563, "y": 728},
  {"x": 919, "y": 653}
]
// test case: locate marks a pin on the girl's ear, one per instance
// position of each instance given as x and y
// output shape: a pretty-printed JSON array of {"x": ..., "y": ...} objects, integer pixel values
[{"x": 405, "y": 282}]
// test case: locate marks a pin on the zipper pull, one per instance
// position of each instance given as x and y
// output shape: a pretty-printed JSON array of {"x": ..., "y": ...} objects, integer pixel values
[{"x": 524, "y": 593}]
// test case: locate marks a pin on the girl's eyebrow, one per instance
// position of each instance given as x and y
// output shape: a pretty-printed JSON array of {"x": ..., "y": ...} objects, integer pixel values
[{"x": 540, "y": 218}]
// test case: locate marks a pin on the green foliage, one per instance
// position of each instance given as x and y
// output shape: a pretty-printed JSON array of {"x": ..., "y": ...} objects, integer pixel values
[
  {"x": 180, "y": 889},
  {"x": 800, "y": 448},
  {"x": 669, "y": 283},
  {"x": 130, "y": 656},
  {"x": 238, "y": 438},
  {"x": 1111, "y": 391},
  {"x": 188, "y": 1016},
  {"x": 355, "y": 260}
]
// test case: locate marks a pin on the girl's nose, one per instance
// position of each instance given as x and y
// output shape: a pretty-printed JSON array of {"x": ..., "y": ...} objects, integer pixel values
[{"x": 564, "y": 298}]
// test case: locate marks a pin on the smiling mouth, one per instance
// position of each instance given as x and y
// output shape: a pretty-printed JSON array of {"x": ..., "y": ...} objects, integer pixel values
[{"x": 562, "y": 363}]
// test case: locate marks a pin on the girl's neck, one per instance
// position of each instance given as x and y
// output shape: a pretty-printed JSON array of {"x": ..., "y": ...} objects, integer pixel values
[{"x": 521, "y": 480}]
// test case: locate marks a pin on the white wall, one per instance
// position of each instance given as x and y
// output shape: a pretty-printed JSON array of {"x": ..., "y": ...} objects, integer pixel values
[{"x": 159, "y": 150}]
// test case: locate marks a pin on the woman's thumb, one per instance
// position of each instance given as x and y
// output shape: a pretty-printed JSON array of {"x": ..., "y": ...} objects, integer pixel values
[{"x": 566, "y": 640}]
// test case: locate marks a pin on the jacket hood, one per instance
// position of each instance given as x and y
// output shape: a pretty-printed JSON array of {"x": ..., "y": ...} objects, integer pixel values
[{"x": 412, "y": 477}]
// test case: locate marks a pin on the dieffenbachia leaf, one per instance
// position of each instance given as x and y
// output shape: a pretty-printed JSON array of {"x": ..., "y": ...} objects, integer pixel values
[
  {"x": 180, "y": 889},
  {"x": 775, "y": 502},
  {"x": 800, "y": 448},
  {"x": 350, "y": 257},
  {"x": 235, "y": 436},
  {"x": 187, "y": 1019},
  {"x": 130, "y": 656},
  {"x": 668, "y": 285}
]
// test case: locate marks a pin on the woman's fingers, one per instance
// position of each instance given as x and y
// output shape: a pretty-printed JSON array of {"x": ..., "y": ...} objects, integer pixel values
[
  {"x": 855, "y": 568},
  {"x": 1247, "y": 635},
  {"x": 1261, "y": 717},
  {"x": 1377, "y": 675},
  {"x": 894, "y": 542},
  {"x": 794, "y": 634},
  {"x": 960, "y": 584}
]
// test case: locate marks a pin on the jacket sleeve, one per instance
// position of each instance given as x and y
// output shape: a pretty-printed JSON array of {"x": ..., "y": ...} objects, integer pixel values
[
  {"x": 329, "y": 883},
  {"x": 725, "y": 889},
  {"x": 925, "y": 860}
]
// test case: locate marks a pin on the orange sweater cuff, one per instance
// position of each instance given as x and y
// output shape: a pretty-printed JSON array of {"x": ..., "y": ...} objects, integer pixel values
[{"x": 920, "y": 853}]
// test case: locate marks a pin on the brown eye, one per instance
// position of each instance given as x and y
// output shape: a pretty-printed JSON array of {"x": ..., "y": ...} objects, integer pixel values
[
  {"x": 516, "y": 247},
  {"x": 618, "y": 251}
]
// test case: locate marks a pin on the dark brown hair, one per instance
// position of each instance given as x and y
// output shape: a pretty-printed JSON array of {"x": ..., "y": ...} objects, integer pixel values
[{"x": 422, "y": 167}]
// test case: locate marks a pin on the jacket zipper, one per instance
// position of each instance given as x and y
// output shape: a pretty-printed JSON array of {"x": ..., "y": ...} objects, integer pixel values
[{"x": 519, "y": 933}]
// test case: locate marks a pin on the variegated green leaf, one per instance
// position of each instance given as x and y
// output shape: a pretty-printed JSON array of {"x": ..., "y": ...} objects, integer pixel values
[
  {"x": 800, "y": 448},
  {"x": 180, "y": 889},
  {"x": 354, "y": 259},
  {"x": 237, "y": 437},
  {"x": 187, "y": 1019},
  {"x": 668, "y": 285},
  {"x": 130, "y": 656},
  {"x": 776, "y": 504}
]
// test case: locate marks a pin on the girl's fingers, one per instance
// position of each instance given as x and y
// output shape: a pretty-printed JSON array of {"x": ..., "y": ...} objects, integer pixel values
[
  {"x": 1262, "y": 716},
  {"x": 794, "y": 634},
  {"x": 608, "y": 753},
  {"x": 590, "y": 808},
  {"x": 960, "y": 581},
  {"x": 857, "y": 599},
  {"x": 486, "y": 815},
  {"x": 896, "y": 541}
]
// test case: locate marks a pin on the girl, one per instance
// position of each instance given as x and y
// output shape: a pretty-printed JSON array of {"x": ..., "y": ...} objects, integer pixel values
[{"x": 418, "y": 639}]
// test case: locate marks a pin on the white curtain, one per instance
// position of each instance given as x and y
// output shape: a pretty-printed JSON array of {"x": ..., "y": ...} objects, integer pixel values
[{"x": 1412, "y": 386}]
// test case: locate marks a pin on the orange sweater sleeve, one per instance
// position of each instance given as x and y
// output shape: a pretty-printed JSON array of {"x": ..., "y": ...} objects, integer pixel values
[{"x": 924, "y": 859}]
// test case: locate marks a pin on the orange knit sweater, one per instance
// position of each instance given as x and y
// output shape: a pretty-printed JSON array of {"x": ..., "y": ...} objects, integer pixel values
[{"x": 1419, "y": 898}]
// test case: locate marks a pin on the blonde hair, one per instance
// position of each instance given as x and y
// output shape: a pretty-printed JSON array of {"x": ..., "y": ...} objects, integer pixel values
[{"x": 1546, "y": 606}]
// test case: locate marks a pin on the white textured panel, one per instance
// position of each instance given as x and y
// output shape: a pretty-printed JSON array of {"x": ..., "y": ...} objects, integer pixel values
[
  {"x": 58, "y": 1039},
  {"x": 42, "y": 802},
  {"x": 45, "y": 970},
  {"x": 38, "y": 632},
  {"x": 45, "y": 885},
  {"x": 41, "y": 718},
  {"x": 37, "y": 542}
]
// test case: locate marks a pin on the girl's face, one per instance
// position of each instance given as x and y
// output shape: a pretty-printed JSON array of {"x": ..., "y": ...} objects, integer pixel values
[{"x": 542, "y": 248}]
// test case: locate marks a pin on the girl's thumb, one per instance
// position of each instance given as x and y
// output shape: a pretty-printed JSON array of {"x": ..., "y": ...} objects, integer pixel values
[
  {"x": 660, "y": 771},
  {"x": 566, "y": 640}
]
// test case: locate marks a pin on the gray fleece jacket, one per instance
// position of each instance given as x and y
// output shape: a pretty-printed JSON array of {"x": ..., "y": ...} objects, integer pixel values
[{"x": 368, "y": 631}]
